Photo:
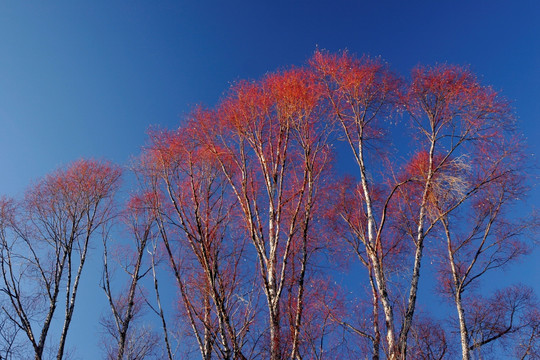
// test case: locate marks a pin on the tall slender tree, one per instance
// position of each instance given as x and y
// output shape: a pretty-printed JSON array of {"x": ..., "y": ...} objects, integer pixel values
[
  {"x": 271, "y": 142},
  {"x": 360, "y": 95},
  {"x": 207, "y": 256},
  {"x": 45, "y": 243},
  {"x": 139, "y": 217},
  {"x": 453, "y": 120}
]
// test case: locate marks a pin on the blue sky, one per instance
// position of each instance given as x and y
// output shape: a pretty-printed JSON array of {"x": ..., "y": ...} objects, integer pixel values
[{"x": 87, "y": 78}]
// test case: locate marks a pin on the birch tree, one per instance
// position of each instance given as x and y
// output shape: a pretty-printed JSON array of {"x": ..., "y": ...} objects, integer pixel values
[
  {"x": 45, "y": 244},
  {"x": 126, "y": 304},
  {"x": 205, "y": 250},
  {"x": 271, "y": 143}
]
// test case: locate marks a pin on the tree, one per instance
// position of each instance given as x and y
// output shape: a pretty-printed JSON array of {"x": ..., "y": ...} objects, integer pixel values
[
  {"x": 469, "y": 149},
  {"x": 360, "y": 94},
  {"x": 243, "y": 202},
  {"x": 481, "y": 240},
  {"x": 8, "y": 329},
  {"x": 471, "y": 172},
  {"x": 455, "y": 121},
  {"x": 44, "y": 244},
  {"x": 270, "y": 139},
  {"x": 349, "y": 223},
  {"x": 140, "y": 218},
  {"x": 206, "y": 254}
]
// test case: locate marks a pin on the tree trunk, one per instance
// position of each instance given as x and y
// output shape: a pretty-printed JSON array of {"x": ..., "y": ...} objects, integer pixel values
[
  {"x": 376, "y": 330},
  {"x": 466, "y": 355},
  {"x": 275, "y": 336},
  {"x": 463, "y": 332}
]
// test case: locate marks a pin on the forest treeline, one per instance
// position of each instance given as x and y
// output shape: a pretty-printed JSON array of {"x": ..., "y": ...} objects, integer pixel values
[{"x": 293, "y": 219}]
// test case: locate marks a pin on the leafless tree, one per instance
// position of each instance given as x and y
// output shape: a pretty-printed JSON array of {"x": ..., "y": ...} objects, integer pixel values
[
  {"x": 44, "y": 246},
  {"x": 270, "y": 139},
  {"x": 139, "y": 216},
  {"x": 206, "y": 254}
]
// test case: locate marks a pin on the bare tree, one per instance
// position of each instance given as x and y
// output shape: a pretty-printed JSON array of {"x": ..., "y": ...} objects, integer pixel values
[
  {"x": 46, "y": 245},
  {"x": 359, "y": 94},
  {"x": 205, "y": 252},
  {"x": 271, "y": 142},
  {"x": 453, "y": 118},
  {"x": 491, "y": 243},
  {"x": 140, "y": 217}
]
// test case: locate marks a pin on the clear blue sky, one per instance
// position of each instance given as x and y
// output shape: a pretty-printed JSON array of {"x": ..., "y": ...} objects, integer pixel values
[{"x": 87, "y": 78}]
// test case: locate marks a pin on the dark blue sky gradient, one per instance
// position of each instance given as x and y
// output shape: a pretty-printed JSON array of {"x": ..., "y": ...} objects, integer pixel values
[{"x": 87, "y": 78}]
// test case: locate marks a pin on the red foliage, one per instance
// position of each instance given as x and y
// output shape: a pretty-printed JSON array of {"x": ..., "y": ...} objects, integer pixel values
[
  {"x": 446, "y": 93},
  {"x": 73, "y": 188},
  {"x": 362, "y": 92}
]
